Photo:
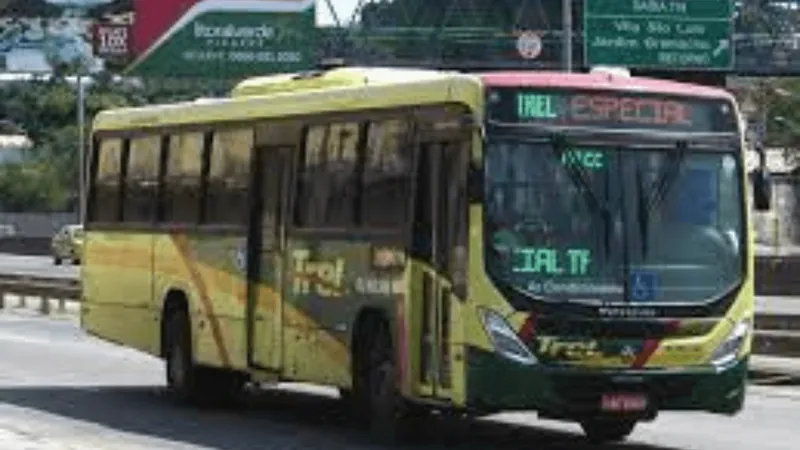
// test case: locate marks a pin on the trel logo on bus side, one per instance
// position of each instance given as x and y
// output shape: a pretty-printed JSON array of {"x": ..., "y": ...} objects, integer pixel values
[{"x": 325, "y": 278}]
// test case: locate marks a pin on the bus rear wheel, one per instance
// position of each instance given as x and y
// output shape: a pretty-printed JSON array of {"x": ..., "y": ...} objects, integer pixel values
[
  {"x": 607, "y": 430},
  {"x": 384, "y": 402}
]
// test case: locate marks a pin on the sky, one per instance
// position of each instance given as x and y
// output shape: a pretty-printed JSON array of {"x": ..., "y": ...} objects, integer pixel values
[{"x": 344, "y": 9}]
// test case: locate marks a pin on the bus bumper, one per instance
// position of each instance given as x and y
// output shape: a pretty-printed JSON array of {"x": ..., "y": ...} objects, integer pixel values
[{"x": 497, "y": 384}]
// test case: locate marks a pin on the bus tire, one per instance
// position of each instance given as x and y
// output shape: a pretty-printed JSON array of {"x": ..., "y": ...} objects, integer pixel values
[
  {"x": 384, "y": 402},
  {"x": 602, "y": 431},
  {"x": 188, "y": 383},
  {"x": 180, "y": 369}
]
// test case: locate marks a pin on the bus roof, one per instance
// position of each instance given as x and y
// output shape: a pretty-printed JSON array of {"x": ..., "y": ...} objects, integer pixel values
[
  {"x": 282, "y": 95},
  {"x": 335, "y": 78},
  {"x": 600, "y": 81},
  {"x": 354, "y": 88}
]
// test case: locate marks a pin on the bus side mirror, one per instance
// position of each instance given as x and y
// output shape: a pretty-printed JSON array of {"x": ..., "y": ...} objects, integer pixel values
[{"x": 762, "y": 190}]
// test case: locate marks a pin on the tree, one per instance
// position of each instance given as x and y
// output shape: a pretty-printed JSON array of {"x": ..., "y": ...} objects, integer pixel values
[
  {"x": 783, "y": 113},
  {"x": 46, "y": 109}
]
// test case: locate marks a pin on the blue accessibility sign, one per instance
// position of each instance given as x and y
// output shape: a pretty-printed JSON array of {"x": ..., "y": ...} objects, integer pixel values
[{"x": 643, "y": 286}]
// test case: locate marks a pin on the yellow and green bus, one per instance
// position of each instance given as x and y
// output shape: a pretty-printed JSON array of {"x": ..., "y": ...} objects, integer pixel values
[{"x": 572, "y": 244}]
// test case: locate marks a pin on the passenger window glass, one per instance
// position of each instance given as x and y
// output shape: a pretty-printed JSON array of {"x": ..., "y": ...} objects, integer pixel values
[
  {"x": 105, "y": 189},
  {"x": 387, "y": 174},
  {"x": 141, "y": 179},
  {"x": 342, "y": 152},
  {"x": 328, "y": 186},
  {"x": 229, "y": 177},
  {"x": 182, "y": 178}
]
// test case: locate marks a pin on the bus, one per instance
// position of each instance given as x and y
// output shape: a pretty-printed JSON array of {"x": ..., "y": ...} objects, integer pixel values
[{"x": 574, "y": 244}]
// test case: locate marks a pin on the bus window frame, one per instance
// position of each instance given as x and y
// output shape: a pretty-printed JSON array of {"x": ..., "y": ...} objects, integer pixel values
[{"x": 415, "y": 113}]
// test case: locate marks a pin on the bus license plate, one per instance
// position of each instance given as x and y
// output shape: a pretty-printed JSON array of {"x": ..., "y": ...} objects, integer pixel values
[{"x": 624, "y": 402}]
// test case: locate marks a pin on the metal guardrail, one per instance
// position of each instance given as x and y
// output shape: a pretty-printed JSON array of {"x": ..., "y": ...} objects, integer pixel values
[
  {"x": 776, "y": 334},
  {"x": 45, "y": 288}
]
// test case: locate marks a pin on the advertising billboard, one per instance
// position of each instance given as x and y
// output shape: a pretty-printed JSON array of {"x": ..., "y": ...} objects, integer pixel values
[
  {"x": 37, "y": 36},
  {"x": 222, "y": 38}
]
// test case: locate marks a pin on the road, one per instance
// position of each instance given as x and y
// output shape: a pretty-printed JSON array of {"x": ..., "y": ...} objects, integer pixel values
[
  {"x": 41, "y": 266},
  {"x": 60, "y": 390}
]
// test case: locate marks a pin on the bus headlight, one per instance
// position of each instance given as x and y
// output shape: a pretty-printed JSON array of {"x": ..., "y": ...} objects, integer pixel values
[
  {"x": 505, "y": 339},
  {"x": 727, "y": 351}
]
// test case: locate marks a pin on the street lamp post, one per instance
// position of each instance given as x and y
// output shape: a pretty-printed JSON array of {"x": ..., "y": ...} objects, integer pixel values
[
  {"x": 81, "y": 147},
  {"x": 566, "y": 9}
]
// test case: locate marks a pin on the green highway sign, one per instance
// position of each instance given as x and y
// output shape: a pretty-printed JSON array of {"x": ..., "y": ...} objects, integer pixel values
[{"x": 659, "y": 34}]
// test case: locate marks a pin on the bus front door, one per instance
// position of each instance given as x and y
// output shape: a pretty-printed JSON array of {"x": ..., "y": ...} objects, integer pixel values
[{"x": 265, "y": 259}]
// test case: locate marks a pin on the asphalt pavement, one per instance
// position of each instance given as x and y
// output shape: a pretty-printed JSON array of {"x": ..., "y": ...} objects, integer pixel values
[{"x": 60, "y": 389}]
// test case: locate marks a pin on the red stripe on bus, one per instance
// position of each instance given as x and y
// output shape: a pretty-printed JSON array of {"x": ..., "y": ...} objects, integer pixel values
[
  {"x": 650, "y": 346},
  {"x": 528, "y": 330}
]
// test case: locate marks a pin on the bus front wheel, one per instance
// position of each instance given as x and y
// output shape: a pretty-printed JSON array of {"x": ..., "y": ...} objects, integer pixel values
[
  {"x": 607, "y": 430},
  {"x": 189, "y": 383},
  {"x": 181, "y": 379}
]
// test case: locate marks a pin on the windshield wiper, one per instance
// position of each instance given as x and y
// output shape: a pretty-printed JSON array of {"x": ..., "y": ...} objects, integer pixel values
[
  {"x": 558, "y": 147},
  {"x": 659, "y": 193},
  {"x": 668, "y": 178},
  {"x": 643, "y": 211}
]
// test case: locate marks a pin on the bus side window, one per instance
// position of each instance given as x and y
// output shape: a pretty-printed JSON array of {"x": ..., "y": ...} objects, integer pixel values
[
  {"x": 327, "y": 183},
  {"x": 141, "y": 179},
  {"x": 105, "y": 185},
  {"x": 342, "y": 156},
  {"x": 229, "y": 177},
  {"x": 181, "y": 191},
  {"x": 388, "y": 168},
  {"x": 311, "y": 200}
]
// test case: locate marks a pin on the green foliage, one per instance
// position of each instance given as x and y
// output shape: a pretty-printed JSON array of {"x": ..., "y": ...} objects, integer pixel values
[
  {"x": 47, "y": 111},
  {"x": 31, "y": 186},
  {"x": 783, "y": 101}
]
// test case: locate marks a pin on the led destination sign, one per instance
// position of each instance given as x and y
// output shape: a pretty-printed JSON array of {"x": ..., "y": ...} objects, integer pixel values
[{"x": 610, "y": 110}]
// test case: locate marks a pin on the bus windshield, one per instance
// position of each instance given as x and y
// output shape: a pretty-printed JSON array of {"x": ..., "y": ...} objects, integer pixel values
[{"x": 612, "y": 224}]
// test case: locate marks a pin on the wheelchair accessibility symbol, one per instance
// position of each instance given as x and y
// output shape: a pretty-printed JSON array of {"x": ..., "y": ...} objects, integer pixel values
[{"x": 643, "y": 286}]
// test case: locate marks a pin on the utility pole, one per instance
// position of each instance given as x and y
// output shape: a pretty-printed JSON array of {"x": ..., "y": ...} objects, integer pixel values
[
  {"x": 81, "y": 147},
  {"x": 566, "y": 9}
]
